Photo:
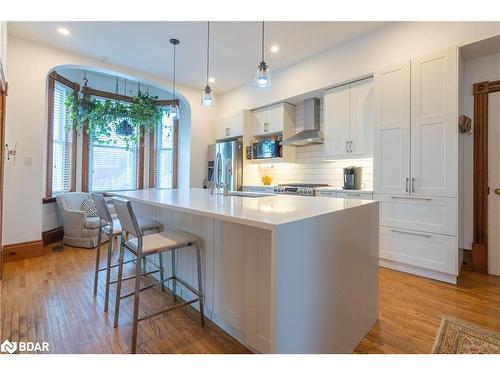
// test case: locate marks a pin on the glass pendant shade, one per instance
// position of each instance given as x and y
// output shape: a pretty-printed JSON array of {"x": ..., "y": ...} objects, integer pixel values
[
  {"x": 174, "y": 111},
  {"x": 207, "y": 97},
  {"x": 263, "y": 76}
]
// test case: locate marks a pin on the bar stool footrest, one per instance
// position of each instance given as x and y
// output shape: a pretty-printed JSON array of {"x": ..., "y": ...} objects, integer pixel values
[{"x": 169, "y": 309}]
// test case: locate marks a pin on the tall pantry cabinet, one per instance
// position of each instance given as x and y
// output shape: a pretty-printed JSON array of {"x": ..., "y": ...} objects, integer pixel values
[{"x": 416, "y": 165}]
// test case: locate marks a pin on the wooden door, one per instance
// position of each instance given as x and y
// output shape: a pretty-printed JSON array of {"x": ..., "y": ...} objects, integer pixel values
[
  {"x": 494, "y": 183},
  {"x": 434, "y": 130},
  {"x": 391, "y": 156},
  {"x": 361, "y": 116},
  {"x": 336, "y": 122}
]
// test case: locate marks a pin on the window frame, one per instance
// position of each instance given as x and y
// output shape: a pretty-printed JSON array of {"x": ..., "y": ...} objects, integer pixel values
[
  {"x": 153, "y": 152},
  {"x": 52, "y": 78}
]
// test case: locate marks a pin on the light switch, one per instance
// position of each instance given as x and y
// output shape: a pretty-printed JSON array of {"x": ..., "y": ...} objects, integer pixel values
[{"x": 28, "y": 161}]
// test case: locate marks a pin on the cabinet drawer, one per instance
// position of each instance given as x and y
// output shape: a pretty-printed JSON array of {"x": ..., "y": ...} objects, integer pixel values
[
  {"x": 328, "y": 194},
  {"x": 431, "y": 251},
  {"x": 259, "y": 189},
  {"x": 354, "y": 195},
  {"x": 427, "y": 214}
]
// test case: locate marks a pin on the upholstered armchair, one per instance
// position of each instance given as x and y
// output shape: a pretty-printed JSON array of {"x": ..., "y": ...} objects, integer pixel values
[{"x": 79, "y": 230}]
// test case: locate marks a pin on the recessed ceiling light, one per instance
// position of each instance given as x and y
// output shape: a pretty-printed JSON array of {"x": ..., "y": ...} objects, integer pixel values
[
  {"x": 63, "y": 31},
  {"x": 211, "y": 80},
  {"x": 274, "y": 49}
]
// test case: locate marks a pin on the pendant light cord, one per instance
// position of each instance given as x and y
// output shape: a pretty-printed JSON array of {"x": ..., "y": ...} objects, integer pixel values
[
  {"x": 262, "y": 41},
  {"x": 208, "y": 48},
  {"x": 173, "y": 94}
]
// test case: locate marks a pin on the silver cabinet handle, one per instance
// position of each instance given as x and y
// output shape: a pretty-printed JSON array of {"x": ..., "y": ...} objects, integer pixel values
[
  {"x": 411, "y": 233},
  {"x": 413, "y": 184},
  {"x": 346, "y": 146},
  {"x": 265, "y": 127},
  {"x": 353, "y": 194},
  {"x": 350, "y": 146},
  {"x": 412, "y": 197},
  {"x": 227, "y": 132},
  {"x": 406, "y": 186}
]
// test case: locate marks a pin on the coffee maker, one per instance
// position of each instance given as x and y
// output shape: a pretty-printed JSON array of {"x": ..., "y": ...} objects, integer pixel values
[{"x": 352, "y": 178}]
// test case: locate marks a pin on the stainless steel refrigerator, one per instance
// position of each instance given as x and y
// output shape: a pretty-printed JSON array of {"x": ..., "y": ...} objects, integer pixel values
[{"x": 225, "y": 165}]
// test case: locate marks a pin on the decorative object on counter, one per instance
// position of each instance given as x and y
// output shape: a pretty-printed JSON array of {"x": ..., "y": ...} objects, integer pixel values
[
  {"x": 207, "y": 97},
  {"x": 174, "y": 108},
  {"x": 267, "y": 180},
  {"x": 460, "y": 337},
  {"x": 465, "y": 124},
  {"x": 263, "y": 76}
]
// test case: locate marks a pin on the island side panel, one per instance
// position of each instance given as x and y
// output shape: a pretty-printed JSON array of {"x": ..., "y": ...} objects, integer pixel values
[{"x": 325, "y": 281}]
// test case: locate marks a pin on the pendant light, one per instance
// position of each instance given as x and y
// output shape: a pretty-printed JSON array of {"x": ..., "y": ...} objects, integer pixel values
[
  {"x": 174, "y": 108},
  {"x": 207, "y": 97},
  {"x": 263, "y": 76}
]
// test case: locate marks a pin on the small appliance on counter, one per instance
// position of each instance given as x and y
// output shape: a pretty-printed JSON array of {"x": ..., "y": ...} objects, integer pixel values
[{"x": 352, "y": 178}]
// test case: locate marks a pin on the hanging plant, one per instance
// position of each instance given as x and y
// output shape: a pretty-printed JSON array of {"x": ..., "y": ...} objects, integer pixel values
[{"x": 103, "y": 118}]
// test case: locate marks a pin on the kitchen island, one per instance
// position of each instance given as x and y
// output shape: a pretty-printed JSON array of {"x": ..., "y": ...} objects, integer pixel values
[{"x": 282, "y": 274}]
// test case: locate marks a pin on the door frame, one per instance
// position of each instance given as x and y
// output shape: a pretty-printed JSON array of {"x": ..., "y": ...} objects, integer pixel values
[
  {"x": 3, "y": 102},
  {"x": 481, "y": 188}
]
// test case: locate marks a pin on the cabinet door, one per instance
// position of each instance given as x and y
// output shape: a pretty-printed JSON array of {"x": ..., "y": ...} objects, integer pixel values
[
  {"x": 275, "y": 119},
  {"x": 434, "y": 130},
  {"x": 259, "y": 121},
  {"x": 361, "y": 116},
  {"x": 336, "y": 122},
  {"x": 236, "y": 124},
  {"x": 391, "y": 157},
  {"x": 222, "y": 129}
]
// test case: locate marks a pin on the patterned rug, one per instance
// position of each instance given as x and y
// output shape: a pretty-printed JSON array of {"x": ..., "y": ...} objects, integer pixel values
[{"x": 461, "y": 337}]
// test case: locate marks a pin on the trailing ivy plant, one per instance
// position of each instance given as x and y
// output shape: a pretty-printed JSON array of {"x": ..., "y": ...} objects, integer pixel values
[{"x": 104, "y": 118}]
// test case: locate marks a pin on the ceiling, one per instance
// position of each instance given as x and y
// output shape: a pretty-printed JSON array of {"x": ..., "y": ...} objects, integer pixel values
[{"x": 235, "y": 46}]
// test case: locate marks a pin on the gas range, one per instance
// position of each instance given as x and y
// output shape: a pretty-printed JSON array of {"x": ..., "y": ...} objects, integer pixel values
[{"x": 298, "y": 189}]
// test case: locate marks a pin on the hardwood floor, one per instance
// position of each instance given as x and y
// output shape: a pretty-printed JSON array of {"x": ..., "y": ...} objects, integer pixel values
[{"x": 49, "y": 298}]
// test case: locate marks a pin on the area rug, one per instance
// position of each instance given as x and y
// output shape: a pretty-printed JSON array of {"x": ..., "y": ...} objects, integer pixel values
[{"x": 461, "y": 337}]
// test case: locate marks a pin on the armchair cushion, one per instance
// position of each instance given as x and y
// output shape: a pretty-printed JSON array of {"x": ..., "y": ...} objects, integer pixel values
[{"x": 92, "y": 222}]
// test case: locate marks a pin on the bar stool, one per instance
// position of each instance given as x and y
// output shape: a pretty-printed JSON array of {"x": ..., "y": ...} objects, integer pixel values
[
  {"x": 143, "y": 246},
  {"x": 111, "y": 227}
]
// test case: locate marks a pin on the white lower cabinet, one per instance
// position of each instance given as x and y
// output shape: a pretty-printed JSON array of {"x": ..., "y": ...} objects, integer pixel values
[
  {"x": 419, "y": 249},
  {"x": 427, "y": 214},
  {"x": 242, "y": 283}
]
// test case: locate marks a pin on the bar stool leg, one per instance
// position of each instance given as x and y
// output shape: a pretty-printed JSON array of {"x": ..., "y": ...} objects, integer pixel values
[
  {"x": 200, "y": 284},
  {"x": 97, "y": 259},
  {"x": 119, "y": 284},
  {"x": 108, "y": 269},
  {"x": 162, "y": 276},
  {"x": 135, "y": 317},
  {"x": 174, "y": 281}
]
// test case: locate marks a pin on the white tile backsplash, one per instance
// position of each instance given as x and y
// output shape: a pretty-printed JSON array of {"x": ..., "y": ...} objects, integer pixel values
[{"x": 311, "y": 167}]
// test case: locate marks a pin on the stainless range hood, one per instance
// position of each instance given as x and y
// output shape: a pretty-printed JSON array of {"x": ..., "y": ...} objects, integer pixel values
[{"x": 311, "y": 133}]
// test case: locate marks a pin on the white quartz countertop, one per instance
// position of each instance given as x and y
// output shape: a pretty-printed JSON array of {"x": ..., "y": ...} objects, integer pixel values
[{"x": 265, "y": 212}]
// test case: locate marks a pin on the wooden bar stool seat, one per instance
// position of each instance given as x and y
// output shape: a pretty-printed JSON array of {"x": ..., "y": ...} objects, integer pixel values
[{"x": 142, "y": 246}]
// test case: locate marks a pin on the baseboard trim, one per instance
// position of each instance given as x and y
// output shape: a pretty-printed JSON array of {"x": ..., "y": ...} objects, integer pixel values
[
  {"x": 53, "y": 235},
  {"x": 414, "y": 270},
  {"x": 23, "y": 250}
]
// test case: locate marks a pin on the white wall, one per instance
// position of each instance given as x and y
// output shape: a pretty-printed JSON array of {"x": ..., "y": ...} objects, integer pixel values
[
  {"x": 356, "y": 58},
  {"x": 26, "y": 124},
  {"x": 3, "y": 45},
  {"x": 482, "y": 69}
]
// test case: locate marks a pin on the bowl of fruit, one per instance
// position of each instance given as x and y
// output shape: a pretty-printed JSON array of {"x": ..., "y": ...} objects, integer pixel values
[{"x": 266, "y": 180}]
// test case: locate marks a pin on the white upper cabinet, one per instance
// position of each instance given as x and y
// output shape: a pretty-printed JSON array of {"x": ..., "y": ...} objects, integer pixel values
[
  {"x": 391, "y": 161},
  {"x": 336, "y": 122},
  {"x": 434, "y": 130},
  {"x": 361, "y": 116},
  {"x": 273, "y": 119},
  {"x": 230, "y": 126},
  {"x": 348, "y": 120}
]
